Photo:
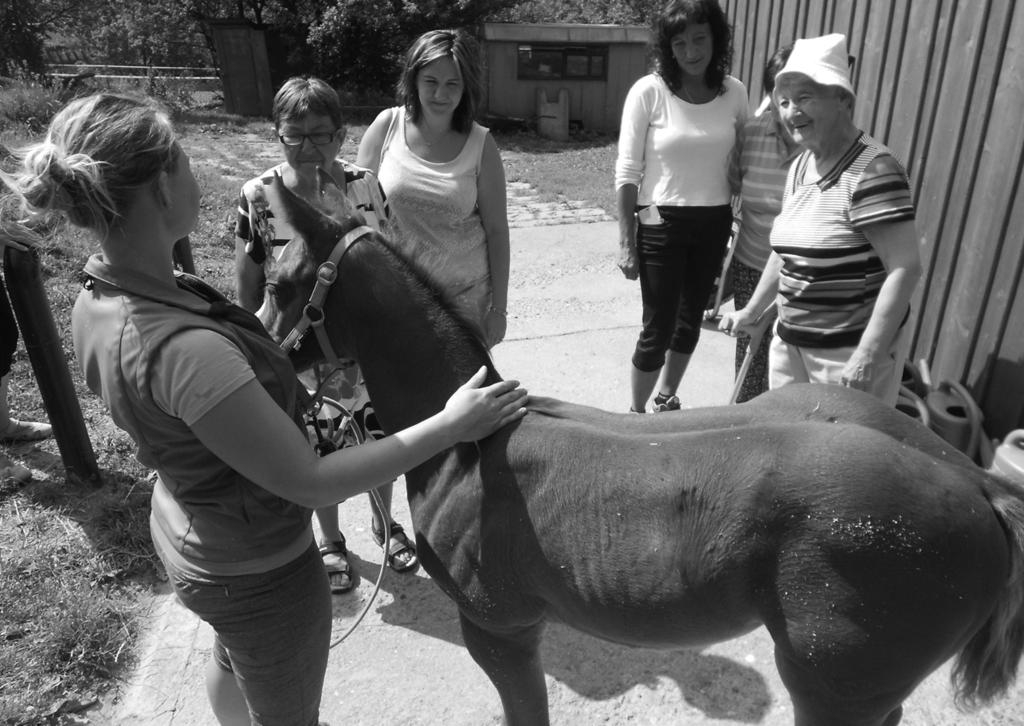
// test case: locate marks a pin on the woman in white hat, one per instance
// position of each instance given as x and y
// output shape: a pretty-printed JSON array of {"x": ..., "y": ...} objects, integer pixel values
[{"x": 844, "y": 260}]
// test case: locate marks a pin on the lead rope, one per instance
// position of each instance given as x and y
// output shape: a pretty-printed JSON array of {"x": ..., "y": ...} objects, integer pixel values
[
  {"x": 313, "y": 317},
  {"x": 343, "y": 430}
]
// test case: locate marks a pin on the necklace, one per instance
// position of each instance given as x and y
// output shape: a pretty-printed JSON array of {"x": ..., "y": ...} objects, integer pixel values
[
  {"x": 430, "y": 143},
  {"x": 686, "y": 94}
]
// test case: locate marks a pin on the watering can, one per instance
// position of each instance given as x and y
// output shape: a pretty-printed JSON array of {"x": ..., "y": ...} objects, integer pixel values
[
  {"x": 950, "y": 412},
  {"x": 1008, "y": 459},
  {"x": 910, "y": 399},
  {"x": 953, "y": 414},
  {"x": 910, "y": 403}
]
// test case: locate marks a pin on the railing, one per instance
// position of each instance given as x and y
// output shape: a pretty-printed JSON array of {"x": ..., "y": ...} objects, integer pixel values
[
  {"x": 202, "y": 83},
  {"x": 70, "y": 70}
]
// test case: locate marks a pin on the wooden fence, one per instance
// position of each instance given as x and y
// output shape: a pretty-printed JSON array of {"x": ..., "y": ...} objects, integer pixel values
[
  {"x": 942, "y": 83},
  {"x": 202, "y": 85},
  {"x": 121, "y": 71}
]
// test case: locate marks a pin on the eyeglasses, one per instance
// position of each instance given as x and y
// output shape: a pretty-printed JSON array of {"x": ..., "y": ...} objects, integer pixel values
[{"x": 318, "y": 139}]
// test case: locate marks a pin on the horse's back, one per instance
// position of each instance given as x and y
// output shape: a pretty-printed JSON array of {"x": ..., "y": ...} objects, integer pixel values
[{"x": 795, "y": 403}]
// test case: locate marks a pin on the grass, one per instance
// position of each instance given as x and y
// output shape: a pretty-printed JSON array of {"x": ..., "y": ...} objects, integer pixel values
[
  {"x": 582, "y": 168},
  {"x": 77, "y": 564}
]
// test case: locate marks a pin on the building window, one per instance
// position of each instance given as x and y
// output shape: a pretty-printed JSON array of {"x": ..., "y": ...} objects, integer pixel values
[{"x": 562, "y": 62}]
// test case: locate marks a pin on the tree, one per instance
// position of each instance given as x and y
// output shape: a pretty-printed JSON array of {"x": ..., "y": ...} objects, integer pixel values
[
  {"x": 148, "y": 33},
  {"x": 621, "y": 12},
  {"x": 23, "y": 28},
  {"x": 359, "y": 44}
]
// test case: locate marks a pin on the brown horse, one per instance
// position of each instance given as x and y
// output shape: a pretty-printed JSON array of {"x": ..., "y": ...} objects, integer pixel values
[{"x": 869, "y": 549}]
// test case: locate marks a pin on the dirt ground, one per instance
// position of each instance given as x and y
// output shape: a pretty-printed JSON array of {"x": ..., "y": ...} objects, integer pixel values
[{"x": 574, "y": 321}]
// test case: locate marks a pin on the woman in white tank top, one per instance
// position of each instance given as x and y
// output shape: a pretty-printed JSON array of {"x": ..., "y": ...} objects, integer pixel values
[{"x": 444, "y": 179}]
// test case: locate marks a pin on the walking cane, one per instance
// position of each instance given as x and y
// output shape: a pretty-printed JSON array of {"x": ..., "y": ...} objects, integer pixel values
[
  {"x": 761, "y": 325},
  {"x": 712, "y": 312}
]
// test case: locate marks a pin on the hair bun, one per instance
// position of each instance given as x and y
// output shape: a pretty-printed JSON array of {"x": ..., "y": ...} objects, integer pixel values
[
  {"x": 54, "y": 185},
  {"x": 60, "y": 172}
]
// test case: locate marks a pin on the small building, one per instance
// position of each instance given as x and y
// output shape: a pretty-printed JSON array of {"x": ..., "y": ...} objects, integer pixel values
[{"x": 530, "y": 65}]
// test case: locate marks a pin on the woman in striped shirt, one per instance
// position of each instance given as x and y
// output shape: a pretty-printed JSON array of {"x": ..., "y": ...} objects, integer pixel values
[
  {"x": 760, "y": 161},
  {"x": 844, "y": 260}
]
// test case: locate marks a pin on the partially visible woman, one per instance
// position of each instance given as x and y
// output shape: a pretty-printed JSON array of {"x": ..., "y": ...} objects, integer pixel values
[
  {"x": 210, "y": 401},
  {"x": 444, "y": 179},
  {"x": 679, "y": 125},
  {"x": 12, "y": 430},
  {"x": 845, "y": 256},
  {"x": 761, "y": 161}
]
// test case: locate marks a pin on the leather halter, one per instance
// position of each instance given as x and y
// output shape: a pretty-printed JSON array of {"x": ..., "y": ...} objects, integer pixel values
[{"x": 313, "y": 311}]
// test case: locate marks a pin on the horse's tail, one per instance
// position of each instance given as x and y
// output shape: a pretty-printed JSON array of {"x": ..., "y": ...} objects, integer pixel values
[{"x": 987, "y": 665}]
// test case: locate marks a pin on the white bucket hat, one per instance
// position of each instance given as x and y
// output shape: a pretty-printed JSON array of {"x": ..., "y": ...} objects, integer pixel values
[{"x": 824, "y": 60}]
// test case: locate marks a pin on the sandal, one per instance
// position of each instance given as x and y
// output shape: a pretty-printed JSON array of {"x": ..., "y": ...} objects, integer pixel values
[
  {"x": 401, "y": 553},
  {"x": 339, "y": 575},
  {"x": 17, "y": 431}
]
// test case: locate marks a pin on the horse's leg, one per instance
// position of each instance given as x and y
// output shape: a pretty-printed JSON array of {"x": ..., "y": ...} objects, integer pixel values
[
  {"x": 813, "y": 705},
  {"x": 512, "y": 661},
  {"x": 804, "y": 718}
]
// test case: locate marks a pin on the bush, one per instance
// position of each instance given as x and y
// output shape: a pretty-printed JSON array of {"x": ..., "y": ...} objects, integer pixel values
[
  {"x": 360, "y": 44},
  {"x": 27, "y": 104},
  {"x": 359, "y": 49}
]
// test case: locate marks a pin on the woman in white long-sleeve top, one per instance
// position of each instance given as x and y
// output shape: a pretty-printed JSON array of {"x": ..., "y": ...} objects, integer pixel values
[{"x": 678, "y": 129}]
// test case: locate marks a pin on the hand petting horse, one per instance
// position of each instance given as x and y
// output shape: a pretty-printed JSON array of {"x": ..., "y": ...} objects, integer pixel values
[{"x": 870, "y": 549}]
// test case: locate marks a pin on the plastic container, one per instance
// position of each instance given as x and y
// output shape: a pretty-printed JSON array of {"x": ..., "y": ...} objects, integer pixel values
[
  {"x": 553, "y": 116},
  {"x": 951, "y": 416},
  {"x": 1008, "y": 459}
]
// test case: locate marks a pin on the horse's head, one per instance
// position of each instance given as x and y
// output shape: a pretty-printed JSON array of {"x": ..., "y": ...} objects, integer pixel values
[
  {"x": 382, "y": 310},
  {"x": 292, "y": 277}
]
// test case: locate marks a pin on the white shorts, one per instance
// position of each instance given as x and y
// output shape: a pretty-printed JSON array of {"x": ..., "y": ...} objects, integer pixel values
[{"x": 795, "y": 364}]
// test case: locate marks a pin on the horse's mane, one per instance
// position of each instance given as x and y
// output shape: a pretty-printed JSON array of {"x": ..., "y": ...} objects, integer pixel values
[
  {"x": 314, "y": 224},
  {"x": 423, "y": 290}
]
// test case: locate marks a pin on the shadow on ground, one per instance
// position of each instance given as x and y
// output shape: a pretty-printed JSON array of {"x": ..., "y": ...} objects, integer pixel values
[{"x": 596, "y": 670}]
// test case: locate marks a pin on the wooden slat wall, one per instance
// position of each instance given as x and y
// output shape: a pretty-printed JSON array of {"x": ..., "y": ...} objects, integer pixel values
[{"x": 942, "y": 83}]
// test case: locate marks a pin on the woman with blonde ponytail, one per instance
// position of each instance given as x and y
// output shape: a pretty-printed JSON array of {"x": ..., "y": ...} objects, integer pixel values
[{"x": 210, "y": 401}]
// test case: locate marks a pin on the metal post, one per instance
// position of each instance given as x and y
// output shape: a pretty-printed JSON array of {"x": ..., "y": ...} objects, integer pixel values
[{"x": 42, "y": 342}]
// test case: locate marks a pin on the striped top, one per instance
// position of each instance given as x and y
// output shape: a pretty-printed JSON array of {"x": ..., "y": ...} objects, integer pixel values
[
  {"x": 264, "y": 233},
  {"x": 831, "y": 274},
  {"x": 758, "y": 170}
]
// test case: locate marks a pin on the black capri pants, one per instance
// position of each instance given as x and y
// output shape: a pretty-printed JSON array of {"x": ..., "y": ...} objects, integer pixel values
[{"x": 679, "y": 260}]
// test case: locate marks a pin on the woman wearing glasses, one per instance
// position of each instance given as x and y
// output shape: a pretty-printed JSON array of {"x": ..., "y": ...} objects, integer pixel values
[{"x": 308, "y": 120}]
